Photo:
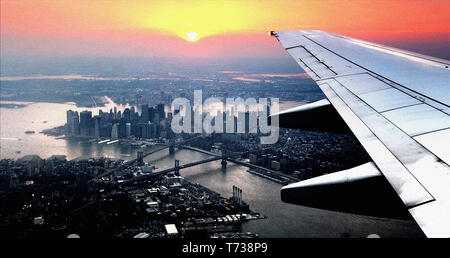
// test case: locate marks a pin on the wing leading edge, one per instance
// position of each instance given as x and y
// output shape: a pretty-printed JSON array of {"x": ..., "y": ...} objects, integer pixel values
[{"x": 397, "y": 103}]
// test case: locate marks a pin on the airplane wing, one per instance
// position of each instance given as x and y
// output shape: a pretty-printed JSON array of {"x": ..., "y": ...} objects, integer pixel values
[{"x": 397, "y": 104}]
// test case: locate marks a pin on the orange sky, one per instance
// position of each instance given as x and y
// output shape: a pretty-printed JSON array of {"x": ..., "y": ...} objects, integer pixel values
[{"x": 222, "y": 28}]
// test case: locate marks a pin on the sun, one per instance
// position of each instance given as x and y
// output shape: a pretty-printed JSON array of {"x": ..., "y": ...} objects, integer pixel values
[{"x": 192, "y": 36}]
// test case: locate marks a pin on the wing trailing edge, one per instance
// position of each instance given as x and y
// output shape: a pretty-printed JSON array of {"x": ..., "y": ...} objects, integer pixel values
[
  {"x": 317, "y": 116},
  {"x": 359, "y": 190}
]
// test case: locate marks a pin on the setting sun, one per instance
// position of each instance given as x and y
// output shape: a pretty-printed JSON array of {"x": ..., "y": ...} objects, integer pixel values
[
  {"x": 206, "y": 28},
  {"x": 193, "y": 20},
  {"x": 192, "y": 36}
]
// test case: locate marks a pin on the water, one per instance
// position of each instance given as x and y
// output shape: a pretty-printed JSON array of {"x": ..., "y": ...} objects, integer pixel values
[
  {"x": 39, "y": 116},
  {"x": 284, "y": 220}
]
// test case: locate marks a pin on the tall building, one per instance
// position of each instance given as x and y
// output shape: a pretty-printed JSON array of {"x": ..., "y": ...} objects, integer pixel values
[
  {"x": 151, "y": 114},
  {"x": 97, "y": 126},
  {"x": 69, "y": 122},
  {"x": 85, "y": 122},
  {"x": 161, "y": 112},
  {"x": 140, "y": 157},
  {"x": 134, "y": 115},
  {"x": 127, "y": 130},
  {"x": 143, "y": 129},
  {"x": 115, "y": 131},
  {"x": 127, "y": 115},
  {"x": 152, "y": 130},
  {"x": 75, "y": 124},
  {"x": 155, "y": 118},
  {"x": 144, "y": 114}
]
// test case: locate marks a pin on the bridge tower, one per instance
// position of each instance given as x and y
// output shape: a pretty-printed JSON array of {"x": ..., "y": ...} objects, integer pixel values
[
  {"x": 171, "y": 146},
  {"x": 177, "y": 170},
  {"x": 224, "y": 159},
  {"x": 140, "y": 157}
]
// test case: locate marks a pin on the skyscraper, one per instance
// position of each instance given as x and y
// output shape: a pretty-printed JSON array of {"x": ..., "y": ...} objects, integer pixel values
[
  {"x": 152, "y": 130},
  {"x": 69, "y": 122},
  {"x": 144, "y": 113},
  {"x": 97, "y": 125},
  {"x": 140, "y": 157},
  {"x": 75, "y": 124},
  {"x": 85, "y": 122},
  {"x": 115, "y": 131},
  {"x": 127, "y": 130},
  {"x": 127, "y": 115},
  {"x": 151, "y": 114},
  {"x": 161, "y": 112},
  {"x": 143, "y": 128},
  {"x": 134, "y": 116}
]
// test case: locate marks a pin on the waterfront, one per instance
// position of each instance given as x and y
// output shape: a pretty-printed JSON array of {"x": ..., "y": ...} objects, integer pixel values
[
  {"x": 15, "y": 143},
  {"x": 283, "y": 220},
  {"x": 38, "y": 116}
]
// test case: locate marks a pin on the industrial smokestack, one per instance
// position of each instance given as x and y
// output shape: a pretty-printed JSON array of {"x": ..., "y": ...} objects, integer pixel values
[
  {"x": 234, "y": 192},
  {"x": 240, "y": 196}
]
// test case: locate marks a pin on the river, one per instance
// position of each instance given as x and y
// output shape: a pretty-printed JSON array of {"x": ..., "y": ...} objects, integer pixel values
[{"x": 283, "y": 220}]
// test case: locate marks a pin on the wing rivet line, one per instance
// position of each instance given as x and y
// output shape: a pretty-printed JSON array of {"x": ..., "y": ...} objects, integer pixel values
[{"x": 294, "y": 47}]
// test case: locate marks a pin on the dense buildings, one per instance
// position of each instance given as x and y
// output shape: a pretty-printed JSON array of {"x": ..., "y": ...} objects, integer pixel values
[
  {"x": 58, "y": 198},
  {"x": 300, "y": 154},
  {"x": 67, "y": 192},
  {"x": 151, "y": 123}
]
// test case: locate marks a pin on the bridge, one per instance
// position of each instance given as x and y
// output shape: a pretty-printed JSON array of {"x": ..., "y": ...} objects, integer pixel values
[
  {"x": 172, "y": 144},
  {"x": 236, "y": 161},
  {"x": 224, "y": 157},
  {"x": 177, "y": 166}
]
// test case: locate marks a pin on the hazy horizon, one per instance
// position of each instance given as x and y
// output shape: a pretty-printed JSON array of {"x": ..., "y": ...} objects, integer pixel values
[{"x": 210, "y": 29}]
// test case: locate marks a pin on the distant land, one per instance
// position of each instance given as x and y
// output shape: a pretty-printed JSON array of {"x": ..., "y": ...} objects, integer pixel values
[{"x": 12, "y": 105}]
